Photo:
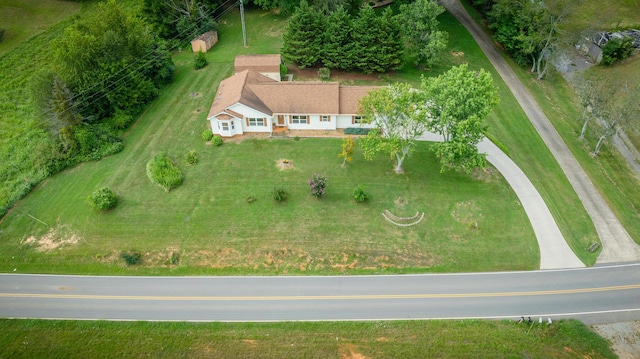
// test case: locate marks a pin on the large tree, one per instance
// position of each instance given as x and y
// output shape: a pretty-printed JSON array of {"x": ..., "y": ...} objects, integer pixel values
[
  {"x": 303, "y": 39},
  {"x": 112, "y": 61},
  {"x": 399, "y": 119},
  {"x": 182, "y": 19},
  {"x": 338, "y": 42},
  {"x": 621, "y": 114},
  {"x": 459, "y": 101},
  {"x": 529, "y": 30},
  {"x": 420, "y": 29}
]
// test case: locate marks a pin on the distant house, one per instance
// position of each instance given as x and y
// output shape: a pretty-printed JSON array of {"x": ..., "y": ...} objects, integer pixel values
[
  {"x": 204, "y": 42},
  {"x": 267, "y": 65},
  {"x": 250, "y": 101}
]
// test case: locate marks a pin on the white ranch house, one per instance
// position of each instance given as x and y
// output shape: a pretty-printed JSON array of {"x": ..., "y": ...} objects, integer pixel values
[{"x": 255, "y": 100}]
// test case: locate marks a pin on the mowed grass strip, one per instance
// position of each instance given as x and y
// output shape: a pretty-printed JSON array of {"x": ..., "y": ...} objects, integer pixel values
[{"x": 394, "y": 339}]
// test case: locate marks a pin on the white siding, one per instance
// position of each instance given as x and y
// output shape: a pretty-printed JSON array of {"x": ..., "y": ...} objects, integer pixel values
[{"x": 344, "y": 121}]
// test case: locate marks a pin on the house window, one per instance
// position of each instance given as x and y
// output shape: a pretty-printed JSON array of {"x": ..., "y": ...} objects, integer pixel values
[
  {"x": 324, "y": 118},
  {"x": 357, "y": 119},
  {"x": 300, "y": 119},
  {"x": 225, "y": 126},
  {"x": 255, "y": 121}
]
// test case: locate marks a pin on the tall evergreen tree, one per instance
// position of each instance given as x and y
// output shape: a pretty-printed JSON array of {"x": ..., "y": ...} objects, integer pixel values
[
  {"x": 390, "y": 40},
  {"x": 338, "y": 44},
  {"x": 365, "y": 46},
  {"x": 304, "y": 36},
  {"x": 420, "y": 28}
]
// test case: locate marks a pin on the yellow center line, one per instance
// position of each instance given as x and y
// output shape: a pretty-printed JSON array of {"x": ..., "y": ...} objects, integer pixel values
[{"x": 320, "y": 297}]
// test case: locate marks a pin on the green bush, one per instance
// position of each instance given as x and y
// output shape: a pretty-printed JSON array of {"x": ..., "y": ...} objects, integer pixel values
[
  {"x": 356, "y": 131},
  {"x": 217, "y": 141},
  {"x": 199, "y": 60},
  {"x": 103, "y": 199},
  {"x": 207, "y": 135},
  {"x": 616, "y": 49},
  {"x": 191, "y": 157},
  {"x": 131, "y": 257},
  {"x": 283, "y": 71},
  {"x": 163, "y": 172},
  {"x": 318, "y": 184},
  {"x": 175, "y": 258},
  {"x": 297, "y": 138},
  {"x": 359, "y": 194},
  {"x": 279, "y": 194}
]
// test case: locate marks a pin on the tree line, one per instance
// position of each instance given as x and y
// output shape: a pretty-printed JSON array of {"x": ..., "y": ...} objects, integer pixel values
[{"x": 366, "y": 42}]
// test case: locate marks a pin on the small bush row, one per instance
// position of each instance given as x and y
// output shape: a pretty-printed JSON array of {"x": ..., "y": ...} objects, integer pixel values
[{"x": 356, "y": 131}]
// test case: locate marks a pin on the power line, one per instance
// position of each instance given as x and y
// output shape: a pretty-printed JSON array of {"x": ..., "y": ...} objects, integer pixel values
[{"x": 143, "y": 62}]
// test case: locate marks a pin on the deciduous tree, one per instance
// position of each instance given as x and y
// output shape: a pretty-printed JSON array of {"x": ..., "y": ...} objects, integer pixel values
[
  {"x": 399, "y": 119},
  {"x": 459, "y": 101},
  {"x": 420, "y": 30}
]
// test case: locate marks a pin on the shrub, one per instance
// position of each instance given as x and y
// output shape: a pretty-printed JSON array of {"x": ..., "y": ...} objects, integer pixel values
[
  {"x": 324, "y": 73},
  {"x": 359, "y": 194},
  {"x": 356, "y": 131},
  {"x": 297, "y": 138},
  {"x": 175, "y": 258},
  {"x": 283, "y": 71},
  {"x": 191, "y": 157},
  {"x": 279, "y": 194},
  {"x": 131, "y": 257},
  {"x": 199, "y": 60},
  {"x": 616, "y": 49},
  {"x": 318, "y": 185},
  {"x": 163, "y": 172},
  {"x": 217, "y": 141},
  {"x": 207, "y": 135},
  {"x": 103, "y": 199}
]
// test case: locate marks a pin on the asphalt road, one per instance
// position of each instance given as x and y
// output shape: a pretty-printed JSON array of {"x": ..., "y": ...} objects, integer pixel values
[{"x": 594, "y": 295}]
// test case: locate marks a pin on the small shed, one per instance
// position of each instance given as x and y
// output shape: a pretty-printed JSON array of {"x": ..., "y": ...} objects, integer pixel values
[{"x": 204, "y": 42}]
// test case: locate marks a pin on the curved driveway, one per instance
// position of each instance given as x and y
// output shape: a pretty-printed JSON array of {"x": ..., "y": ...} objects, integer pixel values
[
  {"x": 594, "y": 295},
  {"x": 555, "y": 253},
  {"x": 617, "y": 245}
]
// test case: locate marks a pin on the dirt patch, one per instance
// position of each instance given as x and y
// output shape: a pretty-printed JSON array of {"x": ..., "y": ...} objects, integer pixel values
[
  {"x": 624, "y": 336},
  {"x": 284, "y": 164},
  {"x": 345, "y": 78},
  {"x": 400, "y": 202},
  {"x": 457, "y": 53},
  {"x": 57, "y": 237},
  {"x": 348, "y": 351}
]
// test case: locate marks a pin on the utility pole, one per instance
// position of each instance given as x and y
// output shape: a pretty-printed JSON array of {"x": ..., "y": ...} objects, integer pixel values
[{"x": 244, "y": 30}]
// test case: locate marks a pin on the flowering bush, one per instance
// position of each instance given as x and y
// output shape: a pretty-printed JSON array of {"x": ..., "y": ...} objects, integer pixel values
[{"x": 318, "y": 184}]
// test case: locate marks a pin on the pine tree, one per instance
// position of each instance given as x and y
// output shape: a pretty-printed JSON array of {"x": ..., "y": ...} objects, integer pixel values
[
  {"x": 390, "y": 40},
  {"x": 304, "y": 36},
  {"x": 338, "y": 53},
  {"x": 365, "y": 46}
]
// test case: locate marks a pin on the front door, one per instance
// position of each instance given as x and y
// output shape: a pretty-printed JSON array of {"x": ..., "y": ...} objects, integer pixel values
[{"x": 280, "y": 120}]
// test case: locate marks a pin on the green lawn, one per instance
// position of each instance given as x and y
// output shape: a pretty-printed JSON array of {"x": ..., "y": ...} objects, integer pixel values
[
  {"x": 23, "y": 19},
  {"x": 399, "y": 339},
  {"x": 208, "y": 222}
]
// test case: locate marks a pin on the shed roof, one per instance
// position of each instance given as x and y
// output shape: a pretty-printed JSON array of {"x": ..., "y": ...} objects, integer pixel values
[{"x": 259, "y": 63}]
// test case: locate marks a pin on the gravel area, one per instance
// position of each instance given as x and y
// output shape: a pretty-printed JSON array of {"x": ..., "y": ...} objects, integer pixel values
[{"x": 624, "y": 337}]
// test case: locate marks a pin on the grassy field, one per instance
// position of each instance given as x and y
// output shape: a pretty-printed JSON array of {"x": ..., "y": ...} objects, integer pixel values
[
  {"x": 402, "y": 339},
  {"x": 23, "y": 19},
  {"x": 208, "y": 223}
]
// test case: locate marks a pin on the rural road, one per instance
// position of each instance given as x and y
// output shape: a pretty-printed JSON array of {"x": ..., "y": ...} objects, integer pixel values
[
  {"x": 595, "y": 295},
  {"x": 617, "y": 245}
]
